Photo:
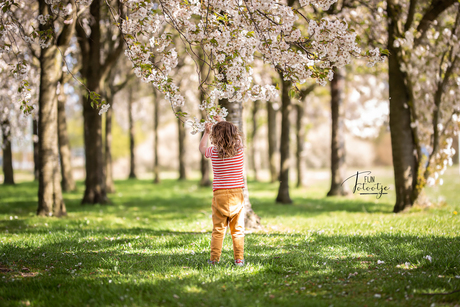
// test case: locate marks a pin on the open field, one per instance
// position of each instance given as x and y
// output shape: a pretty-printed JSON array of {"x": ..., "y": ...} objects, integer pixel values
[{"x": 150, "y": 246}]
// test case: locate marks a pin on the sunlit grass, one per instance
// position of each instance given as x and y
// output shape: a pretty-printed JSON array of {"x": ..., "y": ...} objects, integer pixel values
[{"x": 150, "y": 245}]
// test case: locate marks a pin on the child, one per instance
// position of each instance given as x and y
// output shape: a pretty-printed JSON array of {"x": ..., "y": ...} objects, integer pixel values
[{"x": 228, "y": 202}]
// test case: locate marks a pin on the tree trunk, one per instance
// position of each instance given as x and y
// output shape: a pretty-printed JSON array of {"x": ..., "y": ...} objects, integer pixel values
[
  {"x": 35, "y": 142},
  {"x": 402, "y": 140},
  {"x": 156, "y": 118},
  {"x": 253, "y": 139},
  {"x": 182, "y": 166},
  {"x": 50, "y": 200},
  {"x": 205, "y": 163},
  {"x": 8, "y": 175},
  {"x": 95, "y": 191},
  {"x": 132, "y": 166},
  {"x": 338, "y": 136},
  {"x": 68, "y": 184},
  {"x": 300, "y": 136},
  {"x": 109, "y": 185},
  {"x": 235, "y": 116},
  {"x": 205, "y": 167},
  {"x": 286, "y": 106},
  {"x": 272, "y": 146}
]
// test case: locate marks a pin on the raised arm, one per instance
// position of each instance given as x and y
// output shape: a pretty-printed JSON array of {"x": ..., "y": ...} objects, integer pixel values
[{"x": 204, "y": 139}]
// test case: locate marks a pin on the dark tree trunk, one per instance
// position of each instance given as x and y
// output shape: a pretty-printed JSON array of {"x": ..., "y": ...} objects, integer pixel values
[
  {"x": 402, "y": 140},
  {"x": 286, "y": 106},
  {"x": 35, "y": 141},
  {"x": 68, "y": 184},
  {"x": 182, "y": 166},
  {"x": 109, "y": 185},
  {"x": 205, "y": 163},
  {"x": 235, "y": 116},
  {"x": 300, "y": 136},
  {"x": 255, "y": 167},
  {"x": 338, "y": 136},
  {"x": 205, "y": 167},
  {"x": 156, "y": 119},
  {"x": 8, "y": 175},
  {"x": 132, "y": 165},
  {"x": 95, "y": 191},
  {"x": 272, "y": 146},
  {"x": 50, "y": 200}
]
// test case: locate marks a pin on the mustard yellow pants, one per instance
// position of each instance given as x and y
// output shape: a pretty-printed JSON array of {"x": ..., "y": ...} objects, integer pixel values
[{"x": 227, "y": 210}]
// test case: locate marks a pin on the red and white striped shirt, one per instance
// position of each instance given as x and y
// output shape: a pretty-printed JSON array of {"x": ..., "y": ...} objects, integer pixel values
[{"x": 228, "y": 172}]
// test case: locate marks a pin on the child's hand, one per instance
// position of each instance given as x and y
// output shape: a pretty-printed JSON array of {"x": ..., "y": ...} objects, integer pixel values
[
  {"x": 218, "y": 118},
  {"x": 207, "y": 128}
]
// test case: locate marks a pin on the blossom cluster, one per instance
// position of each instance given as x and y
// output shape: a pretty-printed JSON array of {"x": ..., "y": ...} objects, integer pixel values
[
  {"x": 324, "y": 4},
  {"x": 231, "y": 33}
]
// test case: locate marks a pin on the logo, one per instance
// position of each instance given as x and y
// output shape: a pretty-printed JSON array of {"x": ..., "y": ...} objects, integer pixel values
[{"x": 368, "y": 186}]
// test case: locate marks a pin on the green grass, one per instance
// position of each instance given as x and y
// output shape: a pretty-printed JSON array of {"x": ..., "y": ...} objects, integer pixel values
[{"x": 150, "y": 246}]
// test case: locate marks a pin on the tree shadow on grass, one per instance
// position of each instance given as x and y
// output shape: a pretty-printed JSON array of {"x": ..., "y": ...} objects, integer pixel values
[
  {"x": 182, "y": 199},
  {"x": 282, "y": 270}
]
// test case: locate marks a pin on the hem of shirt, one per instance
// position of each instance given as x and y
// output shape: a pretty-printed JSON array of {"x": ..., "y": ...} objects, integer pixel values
[{"x": 227, "y": 188}]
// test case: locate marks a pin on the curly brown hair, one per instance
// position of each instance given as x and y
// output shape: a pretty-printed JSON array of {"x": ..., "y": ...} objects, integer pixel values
[{"x": 226, "y": 138}]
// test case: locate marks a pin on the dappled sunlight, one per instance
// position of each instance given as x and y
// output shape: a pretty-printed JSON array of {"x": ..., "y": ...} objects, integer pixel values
[{"x": 149, "y": 246}]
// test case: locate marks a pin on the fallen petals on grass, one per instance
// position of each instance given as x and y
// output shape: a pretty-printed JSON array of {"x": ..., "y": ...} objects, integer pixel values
[{"x": 377, "y": 295}]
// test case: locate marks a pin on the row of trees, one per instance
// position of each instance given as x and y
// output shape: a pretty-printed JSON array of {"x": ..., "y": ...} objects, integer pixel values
[{"x": 423, "y": 70}]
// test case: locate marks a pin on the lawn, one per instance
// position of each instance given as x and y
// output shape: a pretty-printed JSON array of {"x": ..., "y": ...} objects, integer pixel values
[{"x": 150, "y": 245}]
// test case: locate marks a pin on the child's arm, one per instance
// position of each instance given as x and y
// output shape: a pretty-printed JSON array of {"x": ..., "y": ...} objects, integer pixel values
[{"x": 204, "y": 139}]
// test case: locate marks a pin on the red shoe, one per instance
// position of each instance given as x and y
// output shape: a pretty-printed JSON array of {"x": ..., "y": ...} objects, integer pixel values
[{"x": 239, "y": 262}]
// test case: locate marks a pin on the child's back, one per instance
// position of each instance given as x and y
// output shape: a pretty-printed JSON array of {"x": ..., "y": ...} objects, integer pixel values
[{"x": 228, "y": 172}]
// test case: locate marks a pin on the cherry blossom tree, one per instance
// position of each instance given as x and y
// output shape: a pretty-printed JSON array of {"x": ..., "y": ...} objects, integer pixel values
[
  {"x": 429, "y": 61},
  {"x": 420, "y": 75},
  {"x": 230, "y": 33}
]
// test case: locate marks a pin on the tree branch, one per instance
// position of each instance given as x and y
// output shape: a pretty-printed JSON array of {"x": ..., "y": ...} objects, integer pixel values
[
  {"x": 121, "y": 85},
  {"x": 305, "y": 92},
  {"x": 111, "y": 58},
  {"x": 66, "y": 34},
  {"x": 435, "y": 9},
  {"x": 84, "y": 44},
  {"x": 410, "y": 15}
]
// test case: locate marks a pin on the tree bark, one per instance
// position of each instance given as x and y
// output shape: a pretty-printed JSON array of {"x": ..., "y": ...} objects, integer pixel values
[
  {"x": 338, "y": 136},
  {"x": 35, "y": 142},
  {"x": 205, "y": 167},
  {"x": 235, "y": 116},
  {"x": 132, "y": 165},
  {"x": 182, "y": 160},
  {"x": 8, "y": 175},
  {"x": 300, "y": 138},
  {"x": 156, "y": 118},
  {"x": 93, "y": 71},
  {"x": 255, "y": 167},
  {"x": 272, "y": 144},
  {"x": 50, "y": 200},
  {"x": 109, "y": 185},
  {"x": 286, "y": 107},
  {"x": 68, "y": 183},
  {"x": 402, "y": 140}
]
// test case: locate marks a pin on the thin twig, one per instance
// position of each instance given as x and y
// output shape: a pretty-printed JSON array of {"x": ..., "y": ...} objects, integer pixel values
[{"x": 442, "y": 293}]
